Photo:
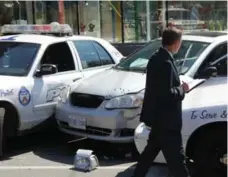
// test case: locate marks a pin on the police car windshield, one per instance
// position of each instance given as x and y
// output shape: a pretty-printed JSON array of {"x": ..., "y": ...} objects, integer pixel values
[
  {"x": 184, "y": 59},
  {"x": 16, "y": 58}
]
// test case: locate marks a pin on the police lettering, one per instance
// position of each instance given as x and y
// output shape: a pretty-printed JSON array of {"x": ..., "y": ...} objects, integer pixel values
[
  {"x": 4, "y": 93},
  {"x": 206, "y": 115},
  {"x": 54, "y": 94},
  {"x": 224, "y": 114},
  {"x": 193, "y": 115}
]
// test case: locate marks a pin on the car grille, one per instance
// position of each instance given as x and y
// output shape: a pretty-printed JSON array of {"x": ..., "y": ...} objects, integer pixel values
[
  {"x": 86, "y": 100},
  {"x": 89, "y": 129}
]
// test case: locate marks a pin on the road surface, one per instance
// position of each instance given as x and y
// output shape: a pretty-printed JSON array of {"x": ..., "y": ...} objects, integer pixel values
[{"x": 50, "y": 155}]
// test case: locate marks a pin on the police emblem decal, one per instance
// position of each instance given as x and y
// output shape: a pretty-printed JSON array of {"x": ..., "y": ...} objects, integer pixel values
[{"x": 24, "y": 96}]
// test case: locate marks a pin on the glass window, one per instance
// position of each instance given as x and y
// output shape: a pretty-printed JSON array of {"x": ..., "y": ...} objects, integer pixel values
[
  {"x": 88, "y": 54},
  {"x": 218, "y": 52},
  {"x": 200, "y": 15},
  {"x": 143, "y": 20},
  {"x": 16, "y": 12},
  {"x": 59, "y": 54},
  {"x": 157, "y": 18},
  {"x": 221, "y": 66},
  {"x": 110, "y": 12},
  {"x": 71, "y": 15},
  {"x": 16, "y": 58},
  {"x": 89, "y": 18},
  {"x": 103, "y": 54},
  {"x": 181, "y": 14},
  {"x": 184, "y": 59},
  {"x": 40, "y": 12},
  {"x": 134, "y": 21}
]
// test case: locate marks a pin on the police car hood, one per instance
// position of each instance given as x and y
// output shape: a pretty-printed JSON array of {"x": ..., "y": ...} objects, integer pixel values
[
  {"x": 211, "y": 93},
  {"x": 112, "y": 82}
]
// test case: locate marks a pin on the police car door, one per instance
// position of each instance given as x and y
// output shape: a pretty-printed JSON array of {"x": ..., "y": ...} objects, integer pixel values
[{"x": 49, "y": 88}]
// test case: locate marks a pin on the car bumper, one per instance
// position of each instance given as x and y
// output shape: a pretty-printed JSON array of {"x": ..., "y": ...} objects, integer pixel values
[{"x": 101, "y": 124}]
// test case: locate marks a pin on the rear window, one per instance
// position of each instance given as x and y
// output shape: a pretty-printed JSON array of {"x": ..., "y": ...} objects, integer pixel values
[{"x": 16, "y": 58}]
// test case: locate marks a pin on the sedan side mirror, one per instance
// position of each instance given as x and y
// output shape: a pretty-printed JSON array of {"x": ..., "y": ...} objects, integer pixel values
[
  {"x": 210, "y": 71},
  {"x": 46, "y": 69}
]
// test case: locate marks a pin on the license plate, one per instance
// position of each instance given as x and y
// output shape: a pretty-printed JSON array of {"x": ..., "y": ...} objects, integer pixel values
[{"x": 78, "y": 122}]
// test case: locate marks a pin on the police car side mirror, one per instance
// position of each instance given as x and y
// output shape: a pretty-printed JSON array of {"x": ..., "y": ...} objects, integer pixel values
[
  {"x": 46, "y": 69},
  {"x": 210, "y": 71}
]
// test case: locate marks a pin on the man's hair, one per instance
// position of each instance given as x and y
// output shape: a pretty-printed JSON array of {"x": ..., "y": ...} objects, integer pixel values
[{"x": 170, "y": 35}]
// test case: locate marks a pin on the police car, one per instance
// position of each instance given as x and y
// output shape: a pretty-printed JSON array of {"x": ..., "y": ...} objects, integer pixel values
[
  {"x": 204, "y": 129},
  {"x": 36, "y": 70}
]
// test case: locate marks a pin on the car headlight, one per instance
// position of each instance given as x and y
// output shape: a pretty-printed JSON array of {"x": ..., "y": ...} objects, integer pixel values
[
  {"x": 65, "y": 95},
  {"x": 126, "y": 101}
]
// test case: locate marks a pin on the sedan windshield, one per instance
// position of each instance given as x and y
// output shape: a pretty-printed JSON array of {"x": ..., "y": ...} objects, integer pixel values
[
  {"x": 184, "y": 59},
  {"x": 16, "y": 58}
]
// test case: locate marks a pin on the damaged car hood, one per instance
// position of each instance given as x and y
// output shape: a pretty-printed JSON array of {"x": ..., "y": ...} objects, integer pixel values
[{"x": 112, "y": 82}]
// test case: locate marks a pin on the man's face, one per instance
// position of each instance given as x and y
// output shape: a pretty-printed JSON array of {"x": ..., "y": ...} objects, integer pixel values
[{"x": 176, "y": 46}]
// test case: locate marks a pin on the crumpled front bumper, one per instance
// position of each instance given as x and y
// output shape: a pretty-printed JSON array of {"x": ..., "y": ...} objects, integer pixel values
[{"x": 101, "y": 124}]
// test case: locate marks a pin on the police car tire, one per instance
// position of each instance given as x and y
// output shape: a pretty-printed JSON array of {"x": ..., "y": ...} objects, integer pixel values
[
  {"x": 205, "y": 153},
  {"x": 8, "y": 126}
]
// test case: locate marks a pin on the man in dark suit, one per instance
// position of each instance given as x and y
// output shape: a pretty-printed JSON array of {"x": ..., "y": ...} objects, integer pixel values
[{"x": 162, "y": 108}]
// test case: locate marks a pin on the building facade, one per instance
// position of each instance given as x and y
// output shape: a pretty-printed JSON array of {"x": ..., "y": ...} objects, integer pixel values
[{"x": 126, "y": 23}]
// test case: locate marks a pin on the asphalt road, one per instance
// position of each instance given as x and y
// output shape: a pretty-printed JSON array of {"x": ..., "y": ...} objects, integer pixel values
[{"x": 50, "y": 155}]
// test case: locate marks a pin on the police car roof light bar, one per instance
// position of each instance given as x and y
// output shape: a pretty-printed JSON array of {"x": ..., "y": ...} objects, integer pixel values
[{"x": 53, "y": 28}]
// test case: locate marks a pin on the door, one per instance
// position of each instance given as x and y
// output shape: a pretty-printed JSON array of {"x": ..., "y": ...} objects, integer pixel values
[
  {"x": 48, "y": 89},
  {"x": 93, "y": 57}
]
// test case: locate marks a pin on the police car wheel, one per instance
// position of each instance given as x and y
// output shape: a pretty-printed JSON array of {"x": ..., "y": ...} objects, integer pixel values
[
  {"x": 208, "y": 152},
  {"x": 8, "y": 127}
]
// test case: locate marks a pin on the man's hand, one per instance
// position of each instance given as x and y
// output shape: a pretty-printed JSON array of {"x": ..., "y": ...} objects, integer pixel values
[{"x": 185, "y": 86}]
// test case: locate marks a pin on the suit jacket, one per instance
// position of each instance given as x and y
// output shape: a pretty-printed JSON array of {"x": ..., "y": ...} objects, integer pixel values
[{"x": 162, "y": 105}]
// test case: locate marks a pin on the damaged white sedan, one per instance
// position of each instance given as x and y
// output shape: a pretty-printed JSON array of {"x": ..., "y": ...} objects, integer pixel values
[{"x": 106, "y": 106}]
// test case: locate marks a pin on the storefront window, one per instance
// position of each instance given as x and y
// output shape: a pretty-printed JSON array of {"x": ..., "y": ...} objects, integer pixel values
[
  {"x": 16, "y": 12},
  {"x": 70, "y": 13},
  {"x": 89, "y": 18},
  {"x": 157, "y": 18},
  {"x": 40, "y": 12},
  {"x": 134, "y": 21},
  {"x": 200, "y": 15},
  {"x": 143, "y": 20},
  {"x": 111, "y": 21}
]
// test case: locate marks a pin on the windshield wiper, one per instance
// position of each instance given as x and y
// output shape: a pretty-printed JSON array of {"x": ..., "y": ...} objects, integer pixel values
[{"x": 136, "y": 69}]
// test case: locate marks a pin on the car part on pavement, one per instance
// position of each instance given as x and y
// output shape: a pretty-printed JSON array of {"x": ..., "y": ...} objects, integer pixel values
[{"x": 85, "y": 160}]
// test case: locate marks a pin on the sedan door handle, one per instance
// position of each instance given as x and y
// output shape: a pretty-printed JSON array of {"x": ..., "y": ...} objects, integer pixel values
[{"x": 74, "y": 80}]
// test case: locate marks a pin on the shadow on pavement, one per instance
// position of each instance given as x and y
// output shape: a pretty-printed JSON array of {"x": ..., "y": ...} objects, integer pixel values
[
  {"x": 53, "y": 146},
  {"x": 157, "y": 170},
  {"x": 126, "y": 173},
  {"x": 45, "y": 144}
]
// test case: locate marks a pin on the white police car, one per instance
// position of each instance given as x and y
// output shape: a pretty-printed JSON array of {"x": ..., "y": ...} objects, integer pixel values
[
  {"x": 36, "y": 70},
  {"x": 204, "y": 130}
]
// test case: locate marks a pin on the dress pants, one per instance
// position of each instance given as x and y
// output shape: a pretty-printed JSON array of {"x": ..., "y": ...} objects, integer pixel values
[{"x": 170, "y": 143}]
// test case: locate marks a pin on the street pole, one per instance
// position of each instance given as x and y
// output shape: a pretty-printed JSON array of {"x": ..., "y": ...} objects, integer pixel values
[
  {"x": 148, "y": 22},
  {"x": 19, "y": 7}
]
